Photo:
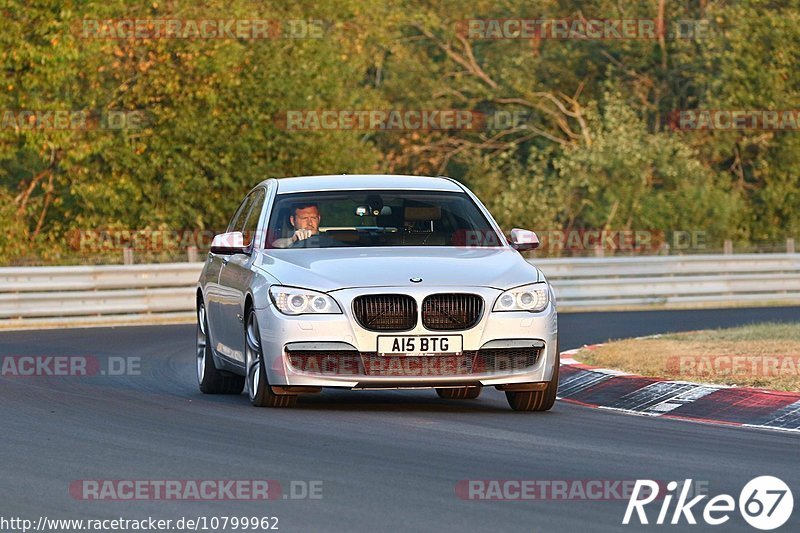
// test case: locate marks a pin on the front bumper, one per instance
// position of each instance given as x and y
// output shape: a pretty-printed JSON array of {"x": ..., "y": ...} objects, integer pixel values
[{"x": 335, "y": 351}]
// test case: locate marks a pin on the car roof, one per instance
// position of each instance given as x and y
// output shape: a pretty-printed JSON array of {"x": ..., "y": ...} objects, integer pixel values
[{"x": 366, "y": 182}]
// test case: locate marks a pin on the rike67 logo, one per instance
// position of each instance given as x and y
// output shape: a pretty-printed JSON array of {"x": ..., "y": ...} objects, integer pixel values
[{"x": 765, "y": 503}]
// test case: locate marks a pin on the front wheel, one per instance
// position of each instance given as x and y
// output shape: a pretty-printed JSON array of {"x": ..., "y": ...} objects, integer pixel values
[
  {"x": 210, "y": 379},
  {"x": 258, "y": 388},
  {"x": 542, "y": 400}
]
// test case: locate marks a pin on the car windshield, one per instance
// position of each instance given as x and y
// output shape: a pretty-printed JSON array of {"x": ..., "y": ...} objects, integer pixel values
[{"x": 334, "y": 219}]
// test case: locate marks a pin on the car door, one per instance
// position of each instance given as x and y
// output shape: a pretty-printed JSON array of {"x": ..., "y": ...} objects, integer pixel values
[
  {"x": 215, "y": 294},
  {"x": 235, "y": 278}
]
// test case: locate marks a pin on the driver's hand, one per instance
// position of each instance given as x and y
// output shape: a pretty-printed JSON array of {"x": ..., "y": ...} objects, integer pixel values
[{"x": 301, "y": 235}]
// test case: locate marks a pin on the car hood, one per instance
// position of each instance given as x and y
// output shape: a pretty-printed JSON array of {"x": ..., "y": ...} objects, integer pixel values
[{"x": 329, "y": 269}]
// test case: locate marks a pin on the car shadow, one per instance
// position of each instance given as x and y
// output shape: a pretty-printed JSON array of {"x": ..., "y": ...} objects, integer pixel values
[
  {"x": 407, "y": 400},
  {"x": 420, "y": 401}
]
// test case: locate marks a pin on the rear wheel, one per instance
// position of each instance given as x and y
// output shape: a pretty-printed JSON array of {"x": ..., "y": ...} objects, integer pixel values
[
  {"x": 542, "y": 400},
  {"x": 258, "y": 388},
  {"x": 460, "y": 393},
  {"x": 210, "y": 379}
]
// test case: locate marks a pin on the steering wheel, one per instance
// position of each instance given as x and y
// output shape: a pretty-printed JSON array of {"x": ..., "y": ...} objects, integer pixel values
[{"x": 305, "y": 242}]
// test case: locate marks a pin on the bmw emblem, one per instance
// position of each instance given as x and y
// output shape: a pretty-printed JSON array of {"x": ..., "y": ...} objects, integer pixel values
[{"x": 415, "y": 280}]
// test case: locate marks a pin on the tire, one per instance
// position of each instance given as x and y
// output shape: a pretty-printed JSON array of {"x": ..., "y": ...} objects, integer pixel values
[
  {"x": 461, "y": 393},
  {"x": 257, "y": 384},
  {"x": 537, "y": 400},
  {"x": 210, "y": 379}
]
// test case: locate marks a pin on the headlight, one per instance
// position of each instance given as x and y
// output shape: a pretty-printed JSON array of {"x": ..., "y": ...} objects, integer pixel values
[
  {"x": 534, "y": 298},
  {"x": 292, "y": 301}
]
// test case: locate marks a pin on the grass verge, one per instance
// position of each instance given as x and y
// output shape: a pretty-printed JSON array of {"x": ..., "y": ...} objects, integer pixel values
[{"x": 765, "y": 355}]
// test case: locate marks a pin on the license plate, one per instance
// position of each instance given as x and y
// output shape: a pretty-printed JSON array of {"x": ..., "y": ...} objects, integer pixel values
[{"x": 420, "y": 345}]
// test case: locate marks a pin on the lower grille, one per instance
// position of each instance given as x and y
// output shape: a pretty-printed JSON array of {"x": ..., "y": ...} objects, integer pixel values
[
  {"x": 327, "y": 362},
  {"x": 502, "y": 360},
  {"x": 471, "y": 362}
]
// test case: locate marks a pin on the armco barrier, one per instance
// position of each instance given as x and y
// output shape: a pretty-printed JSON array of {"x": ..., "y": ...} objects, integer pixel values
[
  {"x": 97, "y": 290},
  {"x": 580, "y": 284},
  {"x": 673, "y": 281}
]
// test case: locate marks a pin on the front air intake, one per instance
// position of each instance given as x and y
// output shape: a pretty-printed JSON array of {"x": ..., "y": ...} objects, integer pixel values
[
  {"x": 386, "y": 312},
  {"x": 451, "y": 312}
]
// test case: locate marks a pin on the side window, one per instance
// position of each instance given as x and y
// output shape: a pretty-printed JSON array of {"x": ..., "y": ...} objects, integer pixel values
[
  {"x": 236, "y": 222},
  {"x": 253, "y": 215}
]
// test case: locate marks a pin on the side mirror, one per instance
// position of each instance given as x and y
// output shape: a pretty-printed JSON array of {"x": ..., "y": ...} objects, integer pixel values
[
  {"x": 523, "y": 240},
  {"x": 229, "y": 244}
]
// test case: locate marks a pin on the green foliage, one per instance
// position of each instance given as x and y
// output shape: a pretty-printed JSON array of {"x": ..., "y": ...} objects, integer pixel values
[
  {"x": 594, "y": 149},
  {"x": 626, "y": 178},
  {"x": 629, "y": 178}
]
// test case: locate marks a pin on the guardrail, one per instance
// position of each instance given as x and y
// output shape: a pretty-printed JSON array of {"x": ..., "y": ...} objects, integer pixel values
[
  {"x": 580, "y": 284},
  {"x": 674, "y": 281},
  {"x": 70, "y": 291}
]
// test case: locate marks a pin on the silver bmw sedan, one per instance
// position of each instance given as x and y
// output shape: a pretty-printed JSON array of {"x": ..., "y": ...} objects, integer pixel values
[{"x": 373, "y": 282}]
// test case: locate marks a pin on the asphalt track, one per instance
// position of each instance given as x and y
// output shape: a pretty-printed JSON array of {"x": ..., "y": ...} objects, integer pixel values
[{"x": 387, "y": 460}]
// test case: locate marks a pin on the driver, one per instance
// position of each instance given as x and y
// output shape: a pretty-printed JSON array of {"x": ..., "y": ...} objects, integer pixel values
[{"x": 305, "y": 222}]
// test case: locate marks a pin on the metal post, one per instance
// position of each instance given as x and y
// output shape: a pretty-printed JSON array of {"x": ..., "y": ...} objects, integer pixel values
[
  {"x": 728, "y": 247},
  {"x": 127, "y": 256},
  {"x": 191, "y": 253},
  {"x": 790, "y": 246}
]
